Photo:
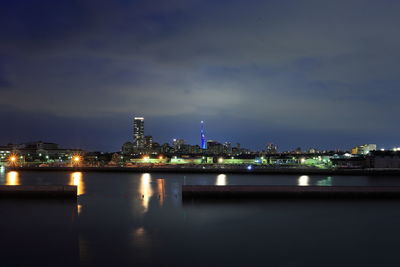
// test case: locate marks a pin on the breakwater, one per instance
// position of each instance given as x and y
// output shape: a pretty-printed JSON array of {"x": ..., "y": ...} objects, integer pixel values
[
  {"x": 38, "y": 191},
  {"x": 225, "y": 170},
  {"x": 261, "y": 191}
]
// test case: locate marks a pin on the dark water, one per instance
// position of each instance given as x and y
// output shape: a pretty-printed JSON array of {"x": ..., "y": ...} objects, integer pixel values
[{"x": 123, "y": 219}]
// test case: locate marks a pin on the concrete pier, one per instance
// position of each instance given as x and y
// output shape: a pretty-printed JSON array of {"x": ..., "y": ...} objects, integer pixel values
[
  {"x": 38, "y": 191},
  {"x": 256, "y": 191}
]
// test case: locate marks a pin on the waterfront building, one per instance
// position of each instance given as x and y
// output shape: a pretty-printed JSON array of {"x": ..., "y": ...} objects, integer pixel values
[
  {"x": 363, "y": 149},
  {"x": 138, "y": 132},
  {"x": 385, "y": 159},
  {"x": 5, "y": 152},
  {"x": 127, "y": 148},
  {"x": 39, "y": 152}
]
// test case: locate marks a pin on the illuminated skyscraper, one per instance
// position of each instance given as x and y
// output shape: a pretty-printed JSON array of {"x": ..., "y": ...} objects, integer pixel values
[
  {"x": 202, "y": 136},
  {"x": 138, "y": 132}
]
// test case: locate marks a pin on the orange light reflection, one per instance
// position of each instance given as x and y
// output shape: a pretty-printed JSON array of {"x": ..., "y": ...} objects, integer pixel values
[
  {"x": 76, "y": 179},
  {"x": 12, "y": 178}
]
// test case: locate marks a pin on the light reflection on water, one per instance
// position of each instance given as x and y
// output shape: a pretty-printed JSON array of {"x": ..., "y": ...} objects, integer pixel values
[
  {"x": 142, "y": 216},
  {"x": 12, "y": 178},
  {"x": 77, "y": 179},
  {"x": 161, "y": 190},
  {"x": 221, "y": 180},
  {"x": 303, "y": 180},
  {"x": 145, "y": 190}
]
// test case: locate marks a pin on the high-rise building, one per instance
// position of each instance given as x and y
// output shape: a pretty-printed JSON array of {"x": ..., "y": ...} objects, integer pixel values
[
  {"x": 148, "y": 141},
  {"x": 138, "y": 132},
  {"x": 203, "y": 143}
]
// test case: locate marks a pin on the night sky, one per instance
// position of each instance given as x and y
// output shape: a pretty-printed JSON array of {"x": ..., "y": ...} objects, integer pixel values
[{"x": 321, "y": 74}]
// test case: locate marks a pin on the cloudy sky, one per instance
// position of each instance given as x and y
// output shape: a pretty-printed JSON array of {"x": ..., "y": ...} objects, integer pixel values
[{"x": 302, "y": 73}]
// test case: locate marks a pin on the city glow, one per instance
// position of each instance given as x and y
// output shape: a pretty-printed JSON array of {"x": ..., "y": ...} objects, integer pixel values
[
  {"x": 12, "y": 178},
  {"x": 76, "y": 179},
  {"x": 221, "y": 180},
  {"x": 303, "y": 180},
  {"x": 249, "y": 167},
  {"x": 146, "y": 158},
  {"x": 76, "y": 158},
  {"x": 220, "y": 160}
]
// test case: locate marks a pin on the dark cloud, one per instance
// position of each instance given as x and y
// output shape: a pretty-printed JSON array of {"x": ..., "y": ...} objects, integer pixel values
[{"x": 301, "y": 67}]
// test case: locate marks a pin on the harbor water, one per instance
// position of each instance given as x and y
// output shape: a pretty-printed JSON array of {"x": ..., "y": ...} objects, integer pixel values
[{"x": 138, "y": 219}]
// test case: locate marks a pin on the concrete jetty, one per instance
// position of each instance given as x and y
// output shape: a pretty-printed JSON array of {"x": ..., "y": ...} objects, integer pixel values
[
  {"x": 38, "y": 191},
  {"x": 252, "y": 191}
]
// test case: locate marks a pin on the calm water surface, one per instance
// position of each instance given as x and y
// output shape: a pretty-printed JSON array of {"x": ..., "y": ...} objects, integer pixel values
[{"x": 128, "y": 219}]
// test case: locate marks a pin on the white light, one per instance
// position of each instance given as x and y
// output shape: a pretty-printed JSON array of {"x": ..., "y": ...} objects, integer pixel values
[
  {"x": 303, "y": 180},
  {"x": 249, "y": 167},
  {"x": 221, "y": 180}
]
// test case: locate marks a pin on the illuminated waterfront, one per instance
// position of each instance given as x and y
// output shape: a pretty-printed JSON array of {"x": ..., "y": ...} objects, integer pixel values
[{"x": 139, "y": 219}]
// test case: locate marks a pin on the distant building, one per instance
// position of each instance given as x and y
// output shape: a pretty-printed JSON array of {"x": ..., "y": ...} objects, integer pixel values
[
  {"x": 363, "y": 149},
  {"x": 39, "y": 152},
  {"x": 214, "y": 147},
  {"x": 177, "y": 144},
  {"x": 271, "y": 148},
  {"x": 227, "y": 148},
  {"x": 127, "y": 148},
  {"x": 312, "y": 151},
  {"x": 148, "y": 141},
  {"x": 138, "y": 132}
]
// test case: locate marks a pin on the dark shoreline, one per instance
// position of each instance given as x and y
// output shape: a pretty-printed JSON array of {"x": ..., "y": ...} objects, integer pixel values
[{"x": 260, "y": 171}]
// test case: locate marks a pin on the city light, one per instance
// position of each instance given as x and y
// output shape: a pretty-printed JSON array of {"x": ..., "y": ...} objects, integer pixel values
[
  {"x": 249, "y": 167},
  {"x": 76, "y": 160},
  {"x": 220, "y": 160},
  {"x": 12, "y": 160}
]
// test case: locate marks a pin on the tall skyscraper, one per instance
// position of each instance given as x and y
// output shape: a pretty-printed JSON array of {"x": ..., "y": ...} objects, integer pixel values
[
  {"x": 202, "y": 136},
  {"x": 138, "y": 132}
]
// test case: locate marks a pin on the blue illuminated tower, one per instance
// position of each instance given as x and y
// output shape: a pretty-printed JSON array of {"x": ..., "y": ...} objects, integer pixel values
[{"x": 202, "y": 136}]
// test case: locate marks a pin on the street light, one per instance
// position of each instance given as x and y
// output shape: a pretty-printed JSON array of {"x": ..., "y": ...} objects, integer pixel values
[
  {"x": 12, "y": 160},
  {"x": 76, "y": 159}
]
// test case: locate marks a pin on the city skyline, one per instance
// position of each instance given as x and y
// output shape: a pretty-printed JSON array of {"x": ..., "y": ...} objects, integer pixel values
[
  {"x": 191, "y": 136},
  {"x": 305, "y": 74}
]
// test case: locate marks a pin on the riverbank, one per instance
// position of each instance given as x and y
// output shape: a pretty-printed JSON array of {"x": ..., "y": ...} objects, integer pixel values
[{"x": 226, "y": 170}]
